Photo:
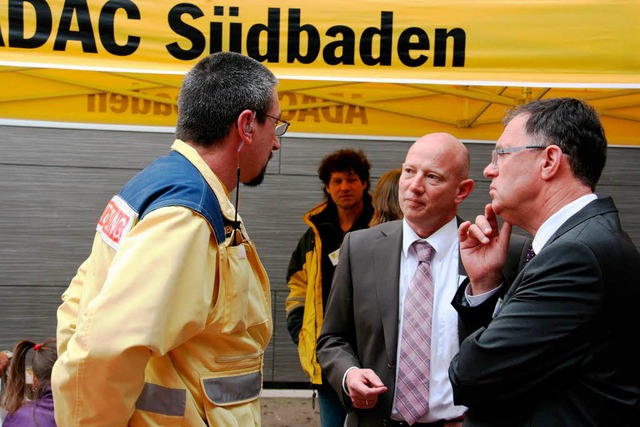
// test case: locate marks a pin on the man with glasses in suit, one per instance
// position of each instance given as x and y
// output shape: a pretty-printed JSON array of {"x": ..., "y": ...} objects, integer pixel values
[{"x": 556, "y": 350}]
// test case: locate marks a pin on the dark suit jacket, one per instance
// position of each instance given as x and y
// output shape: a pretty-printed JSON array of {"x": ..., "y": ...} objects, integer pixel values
[
  {"x": 361, "y": 320},
  {"x": 561, "y": 350}
]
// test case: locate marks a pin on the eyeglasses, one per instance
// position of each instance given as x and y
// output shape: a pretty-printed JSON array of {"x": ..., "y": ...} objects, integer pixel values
[
  {"x": 508, "y": 150},
  {"x": 280, "y": 125}
]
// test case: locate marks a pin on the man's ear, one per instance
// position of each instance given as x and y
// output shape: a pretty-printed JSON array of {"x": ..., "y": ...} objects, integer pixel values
[
  {"x": 465, "y": 188},
  {"x": 553, "y": 157},
  {"x": 245, "y": 123}
]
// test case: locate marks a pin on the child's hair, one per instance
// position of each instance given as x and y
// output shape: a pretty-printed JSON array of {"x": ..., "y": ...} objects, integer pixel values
[{"x": 44, "y": 356}]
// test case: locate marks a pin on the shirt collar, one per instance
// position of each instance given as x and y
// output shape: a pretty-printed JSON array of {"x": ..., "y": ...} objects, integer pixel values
[
  {"x": 553, "y": 223},
  {"x": 441, "y": 240}
]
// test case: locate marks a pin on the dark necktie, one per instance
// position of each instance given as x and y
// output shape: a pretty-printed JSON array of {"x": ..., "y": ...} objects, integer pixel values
[
  {"x": 529, "y": 255},
  {"x": 412, "y": 397}
]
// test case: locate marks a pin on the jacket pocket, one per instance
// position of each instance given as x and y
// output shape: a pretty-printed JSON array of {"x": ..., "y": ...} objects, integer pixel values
[
  {"x": 243, "y": 300},
  {"x": 231, "y": 398}
]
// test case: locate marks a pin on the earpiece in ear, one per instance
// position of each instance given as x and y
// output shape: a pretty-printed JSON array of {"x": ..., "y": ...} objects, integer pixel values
[{"x": 247, "y": 128}]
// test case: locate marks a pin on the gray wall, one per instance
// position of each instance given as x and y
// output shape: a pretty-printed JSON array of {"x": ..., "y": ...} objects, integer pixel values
[{"x": 54, "y": 184}]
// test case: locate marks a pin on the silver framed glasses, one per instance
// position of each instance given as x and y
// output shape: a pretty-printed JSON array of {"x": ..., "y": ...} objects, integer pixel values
[
  {"x": 281, "y": 126},
  {"x": 508, "y": 150}
]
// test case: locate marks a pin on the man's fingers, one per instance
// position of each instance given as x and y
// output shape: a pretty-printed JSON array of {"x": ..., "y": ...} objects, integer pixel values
[
  {"x": 480, "y": 230},
  {"x": 463, "y": 230},
  {"x": 489, "y": 213},
  {"x": 505, "y": 233},
  {"x": 485, "y": 226}
]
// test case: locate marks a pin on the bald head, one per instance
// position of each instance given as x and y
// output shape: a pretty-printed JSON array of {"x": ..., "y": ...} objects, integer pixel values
[
  {"x": 434, "y": 181},
  {"x": 441, "y": 145}
]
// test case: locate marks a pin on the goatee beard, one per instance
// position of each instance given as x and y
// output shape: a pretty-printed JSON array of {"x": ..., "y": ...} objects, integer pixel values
[
  {"x": 260, "y": 177},
  {"x": 257, "y": 180}
]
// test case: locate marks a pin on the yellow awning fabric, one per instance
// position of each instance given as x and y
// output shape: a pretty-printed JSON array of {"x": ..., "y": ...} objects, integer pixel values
[{"x": 373, "y": 68}]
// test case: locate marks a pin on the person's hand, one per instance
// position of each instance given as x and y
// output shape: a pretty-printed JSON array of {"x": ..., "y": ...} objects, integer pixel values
[
  {"x": 4, "y": 362},
  {"x": 483, "y": 250},
  {"x": 364, "y": 387}
]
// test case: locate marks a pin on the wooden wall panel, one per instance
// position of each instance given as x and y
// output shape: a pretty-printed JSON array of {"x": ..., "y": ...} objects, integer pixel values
[
  {"x": 54, "y": 184},
  {"x": 27, "y": 312}
]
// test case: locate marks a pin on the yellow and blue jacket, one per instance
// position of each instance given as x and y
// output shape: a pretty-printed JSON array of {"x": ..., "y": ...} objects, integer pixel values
[
  {"x": 167, "y": 321},
  {"x": 309, "y": 278}
]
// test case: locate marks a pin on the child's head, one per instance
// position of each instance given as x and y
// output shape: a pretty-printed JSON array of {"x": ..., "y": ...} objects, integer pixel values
[
  {"x": 42, "y": 361},
  {"x": 44, "y": 356}
]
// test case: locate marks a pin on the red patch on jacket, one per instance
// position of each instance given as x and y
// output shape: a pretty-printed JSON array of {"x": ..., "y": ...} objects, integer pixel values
[{"x": 116, "y": 221}]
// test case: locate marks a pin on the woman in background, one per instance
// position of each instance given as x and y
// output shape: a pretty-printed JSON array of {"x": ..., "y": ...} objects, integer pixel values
[
  {"x": 22, "y": 412},
  {"x": 385, "y": 198}
]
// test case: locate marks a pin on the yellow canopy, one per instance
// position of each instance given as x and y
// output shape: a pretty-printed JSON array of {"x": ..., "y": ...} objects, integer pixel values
[{"x": 374, "y": 68}]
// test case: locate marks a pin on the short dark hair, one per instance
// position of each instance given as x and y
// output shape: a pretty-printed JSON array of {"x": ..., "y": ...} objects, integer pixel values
[
  {"x": 574, "y": 126},
  {"x": 344, "y": 160},
  {"x": 216, "y": 90}
]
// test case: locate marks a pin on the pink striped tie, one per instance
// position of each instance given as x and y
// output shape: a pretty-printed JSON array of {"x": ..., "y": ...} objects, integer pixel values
[{"x": 412, "y": 396}]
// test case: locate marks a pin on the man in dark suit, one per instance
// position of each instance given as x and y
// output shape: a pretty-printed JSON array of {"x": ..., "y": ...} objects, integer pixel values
[
  {"x": 359, "y": 343},
  {"x": 559, "y": 350}
]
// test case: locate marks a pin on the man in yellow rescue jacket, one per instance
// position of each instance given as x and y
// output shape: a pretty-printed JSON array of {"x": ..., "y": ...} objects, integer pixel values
[
  {"x": 347, "y": 207},
  {"x": 167, "y": 321}
]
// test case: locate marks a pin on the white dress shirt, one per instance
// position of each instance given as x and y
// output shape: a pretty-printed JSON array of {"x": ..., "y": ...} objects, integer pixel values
[
  {"x": 553, "y": 223},
  {"x": 444, "y": 332}
]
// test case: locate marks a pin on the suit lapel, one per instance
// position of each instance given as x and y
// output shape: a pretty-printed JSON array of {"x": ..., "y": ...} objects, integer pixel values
[
  {"x": 595, "y": 208},
  {"x": 387, "y": 247},
  {"x": 461, "y": 271}
]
